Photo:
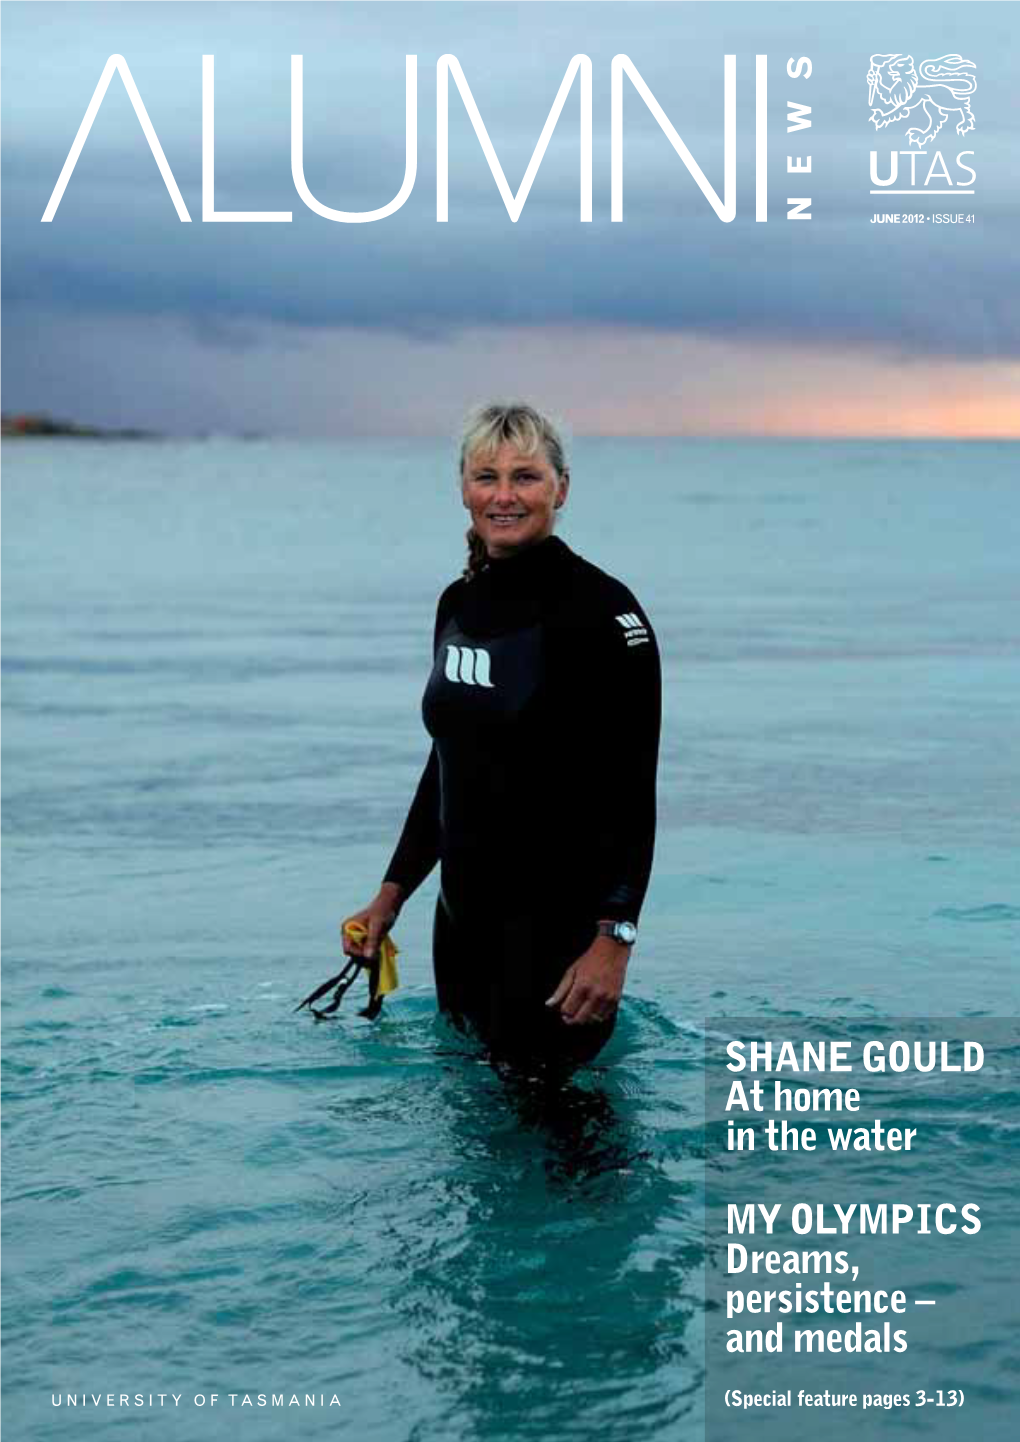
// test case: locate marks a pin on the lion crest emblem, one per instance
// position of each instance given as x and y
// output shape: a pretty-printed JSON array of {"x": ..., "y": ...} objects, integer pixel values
[{"x": 937, "y": 91}]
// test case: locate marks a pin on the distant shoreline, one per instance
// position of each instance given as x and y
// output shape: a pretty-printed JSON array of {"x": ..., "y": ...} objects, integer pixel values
[{"x": 32, "y": 426}]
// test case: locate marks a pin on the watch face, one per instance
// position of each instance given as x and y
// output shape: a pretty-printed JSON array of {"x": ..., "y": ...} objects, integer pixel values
[{"x": 626, "y": 931}]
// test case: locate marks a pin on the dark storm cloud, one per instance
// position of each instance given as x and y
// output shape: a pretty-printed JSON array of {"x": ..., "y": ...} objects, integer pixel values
[
  {"x": 671, "y": 281},
  {"x": 117, "y": 247}
]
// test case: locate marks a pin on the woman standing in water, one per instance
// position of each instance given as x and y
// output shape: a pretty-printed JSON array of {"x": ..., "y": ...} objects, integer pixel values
[{"x": 538, "y": 797}]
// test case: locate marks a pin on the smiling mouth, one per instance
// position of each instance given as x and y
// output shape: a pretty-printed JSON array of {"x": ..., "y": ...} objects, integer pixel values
[{"x": 500, "y": 519}]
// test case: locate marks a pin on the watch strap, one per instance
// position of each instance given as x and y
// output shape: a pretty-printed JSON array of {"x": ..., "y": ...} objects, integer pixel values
[{"x": 615, "y": 928}]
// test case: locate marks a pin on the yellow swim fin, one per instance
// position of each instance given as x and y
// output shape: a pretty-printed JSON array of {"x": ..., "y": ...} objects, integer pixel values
[{"x": 383, "y": 977}]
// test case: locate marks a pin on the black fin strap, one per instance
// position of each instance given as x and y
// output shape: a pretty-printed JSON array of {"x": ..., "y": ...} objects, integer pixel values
[
  {"x": 375, "y": 1001},
  {"x": 341, "y": 982}
]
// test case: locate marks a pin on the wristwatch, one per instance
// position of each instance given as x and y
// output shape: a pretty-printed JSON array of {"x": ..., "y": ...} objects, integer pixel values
[{"x": 623, "y": 931}]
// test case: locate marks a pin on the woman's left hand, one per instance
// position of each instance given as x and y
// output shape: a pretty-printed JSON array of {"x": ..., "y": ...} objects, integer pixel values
[{"x": 592, "y": 986}]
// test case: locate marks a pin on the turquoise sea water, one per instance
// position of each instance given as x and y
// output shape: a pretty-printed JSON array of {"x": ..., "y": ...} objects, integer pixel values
[{"x": 213, "y": 659}]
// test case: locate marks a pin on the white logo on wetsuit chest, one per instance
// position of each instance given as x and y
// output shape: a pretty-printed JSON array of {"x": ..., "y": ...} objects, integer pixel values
[{"x": 464, "y": 663}]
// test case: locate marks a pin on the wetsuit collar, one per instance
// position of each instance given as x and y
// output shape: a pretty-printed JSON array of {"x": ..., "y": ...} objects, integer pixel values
[{"x": 529, "y": 561}]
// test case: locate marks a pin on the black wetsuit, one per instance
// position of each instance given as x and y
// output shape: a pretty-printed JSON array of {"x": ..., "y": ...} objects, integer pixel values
[{"x": 538, "y": 797}]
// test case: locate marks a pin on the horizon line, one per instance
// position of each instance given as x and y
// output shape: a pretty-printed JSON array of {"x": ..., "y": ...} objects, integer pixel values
[{"x": 254, "y": 437}]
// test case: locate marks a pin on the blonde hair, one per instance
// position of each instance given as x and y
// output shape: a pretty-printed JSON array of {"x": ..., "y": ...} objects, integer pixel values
[{"x": 485, "y": 430}]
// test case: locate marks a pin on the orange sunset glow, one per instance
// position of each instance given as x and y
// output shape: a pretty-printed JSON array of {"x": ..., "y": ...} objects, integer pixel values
[
  {"x": 924, "y": 400},
  {"x": 701, "y": 386},
  {"x": 636, "y": 381}
]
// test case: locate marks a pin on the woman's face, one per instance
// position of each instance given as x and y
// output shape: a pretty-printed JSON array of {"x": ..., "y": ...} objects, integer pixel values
[{"x": 512, "y": 497}]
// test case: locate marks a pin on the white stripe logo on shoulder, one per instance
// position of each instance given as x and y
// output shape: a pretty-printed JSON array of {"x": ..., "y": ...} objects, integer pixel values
[
  {"x": 463, "y": 663},
  {"x": 634, "y": 628}
]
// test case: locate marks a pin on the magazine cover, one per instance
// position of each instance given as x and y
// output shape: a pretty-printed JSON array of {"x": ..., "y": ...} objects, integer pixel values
[{"x": 510, "y": 702}]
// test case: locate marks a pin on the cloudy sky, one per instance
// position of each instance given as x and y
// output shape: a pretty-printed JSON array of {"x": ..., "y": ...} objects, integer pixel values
[{"x": 668, "y": 322}]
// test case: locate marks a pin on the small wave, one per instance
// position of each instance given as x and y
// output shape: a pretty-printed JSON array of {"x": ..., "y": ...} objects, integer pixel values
[{"x": 997, "y": 911}]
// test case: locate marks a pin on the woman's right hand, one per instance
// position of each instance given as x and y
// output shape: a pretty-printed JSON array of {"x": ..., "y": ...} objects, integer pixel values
[{"x": 377, "y": 918}]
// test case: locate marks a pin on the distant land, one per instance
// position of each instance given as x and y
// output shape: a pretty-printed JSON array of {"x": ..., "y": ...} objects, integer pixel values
[{"x": 26, "y": 425}]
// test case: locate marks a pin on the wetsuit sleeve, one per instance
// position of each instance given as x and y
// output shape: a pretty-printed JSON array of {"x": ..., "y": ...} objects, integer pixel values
[
  {"x": 418, "y": 848},
  {"x": 624, "y": 658}
]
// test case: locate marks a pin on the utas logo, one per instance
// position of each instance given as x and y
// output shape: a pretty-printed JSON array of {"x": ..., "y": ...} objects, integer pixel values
[
  {"x": 930, "y": 95},
  {"x": 942, "y": 89}
]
